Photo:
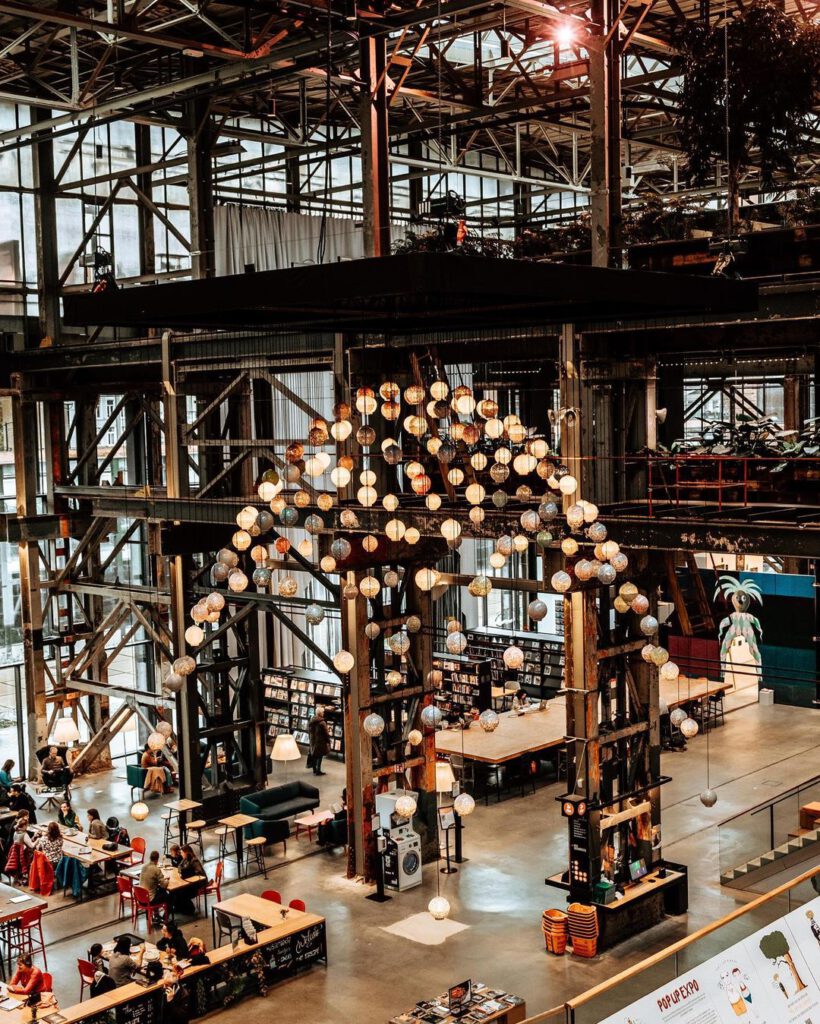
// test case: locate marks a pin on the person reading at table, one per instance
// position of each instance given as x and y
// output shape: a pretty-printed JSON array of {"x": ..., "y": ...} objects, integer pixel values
[
  {"x": 197, "y": 953},
  {"x": 152, "y": 879},
  {"x": 28, "y": 980},
  {"x": 175, "y": 855},
  {"x": 190, "y": 866},
  {"x": 96, "y": 826},
  {"x": 67, "y": 816},
  {"x": 173, "y": 941},
  {"x": 53, "y": 770},
  {"x": 121, "y": 965}
]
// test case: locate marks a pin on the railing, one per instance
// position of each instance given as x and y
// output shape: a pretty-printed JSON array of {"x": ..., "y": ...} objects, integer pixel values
[
  {"x": 599, "y": 1002},
  {"x": 761, "y": 828}
]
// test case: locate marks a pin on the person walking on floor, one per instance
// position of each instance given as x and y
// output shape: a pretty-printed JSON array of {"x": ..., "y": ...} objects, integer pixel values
[{"x": 319, "y": 735}]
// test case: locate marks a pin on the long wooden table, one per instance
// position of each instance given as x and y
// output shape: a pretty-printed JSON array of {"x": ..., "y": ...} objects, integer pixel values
[
  {"x": 11, "y": 911},
  {"x": 295, "y": 943},
  {"x": 536, "y": 730},
  {"x": 506, "y": 1013}
]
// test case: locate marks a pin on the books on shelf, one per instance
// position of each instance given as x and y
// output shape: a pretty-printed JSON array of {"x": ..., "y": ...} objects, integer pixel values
[
  {"x": 543, "y": 670},
  {"x": 466, "y": 683},
  {"x": 291, "y": 697}
]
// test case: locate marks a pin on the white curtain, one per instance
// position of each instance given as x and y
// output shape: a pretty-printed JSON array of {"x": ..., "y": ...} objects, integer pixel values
[{"x": 275, "y": 239}]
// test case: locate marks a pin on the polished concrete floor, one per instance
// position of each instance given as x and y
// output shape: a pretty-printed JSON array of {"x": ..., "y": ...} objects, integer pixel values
[{"x": 499, "y": 893}]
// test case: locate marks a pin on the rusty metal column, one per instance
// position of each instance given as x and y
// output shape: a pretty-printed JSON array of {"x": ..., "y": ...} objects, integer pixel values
[
  {"x": 605, "y": 134},
  {"x": 45, "y": 229},
  {"x": 199, "y": 134},
  {"x": 375, "y": 144},
  {"x": 145, "y": 216}
]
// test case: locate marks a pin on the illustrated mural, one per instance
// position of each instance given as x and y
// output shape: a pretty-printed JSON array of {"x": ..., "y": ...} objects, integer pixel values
[{"x": 740, "y": 633}]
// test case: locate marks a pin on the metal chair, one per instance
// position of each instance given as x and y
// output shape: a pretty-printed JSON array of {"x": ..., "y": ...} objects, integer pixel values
[
  {"x": 213, "y": 887},
  {"x": 143, "y": 905},
  {"x": 125, "y": 891},
  {"x": 297, "y": 905},
  {"x": 27, "y": 935},
  {"x": 224, "y": 924},
  {"x": 87, "y": 971},
  {"x": 256, "y": 848},
  {"x": 137, "y": 850},
  {"x": 272, "y": 895}
]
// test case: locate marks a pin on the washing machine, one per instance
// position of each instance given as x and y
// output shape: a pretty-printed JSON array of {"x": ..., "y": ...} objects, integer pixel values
[{"x": 402, "y": 860}]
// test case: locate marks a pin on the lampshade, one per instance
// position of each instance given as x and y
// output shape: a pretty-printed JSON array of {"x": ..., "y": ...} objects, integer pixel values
[
  {"x": 445, "y": 780},
  {"x": 65, "y": 731},
  {"x": 139, "y": 811},
  {"x": 285, "y": 748}
]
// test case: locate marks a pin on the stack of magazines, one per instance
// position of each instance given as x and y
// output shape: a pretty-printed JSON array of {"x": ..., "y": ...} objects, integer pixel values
[{"x": 486, "y": 1002}]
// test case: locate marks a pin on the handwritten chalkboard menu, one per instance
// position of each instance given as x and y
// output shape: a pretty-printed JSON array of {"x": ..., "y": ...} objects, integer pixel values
[
  {"x": 147, "y": 1010},
  {"x": 295, "y": 951}
]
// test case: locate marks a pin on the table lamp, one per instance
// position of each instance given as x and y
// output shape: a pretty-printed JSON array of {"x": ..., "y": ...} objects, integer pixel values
[
  {"x": 285, "y": 749},
  {"x": 445, "y": 779}
]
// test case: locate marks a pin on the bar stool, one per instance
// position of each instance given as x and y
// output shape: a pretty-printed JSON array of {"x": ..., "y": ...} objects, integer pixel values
[
  {"x": 170, "y": 833},
  {"x": 193, "y": 831},
  {"x": 256, "y": 849},
  {"x": 223, "y": 832},
  {"x": 716, "y": 709}
]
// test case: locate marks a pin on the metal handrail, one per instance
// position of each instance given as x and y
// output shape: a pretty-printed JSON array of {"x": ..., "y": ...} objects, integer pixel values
[{"x": 771, "y": 802}]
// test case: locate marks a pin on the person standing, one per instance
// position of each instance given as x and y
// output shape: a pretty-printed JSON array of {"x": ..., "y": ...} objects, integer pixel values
[{"x": 319, "y": 736}]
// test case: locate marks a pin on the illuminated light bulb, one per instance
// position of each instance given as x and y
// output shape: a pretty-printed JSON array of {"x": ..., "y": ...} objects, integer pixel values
[
  {"x": 503, "y": 456},
  {"x": 350, "y": 592},
  {"x": 499, "y": 472},
  {"x": 340, "y": 549},
  {"x": 282, "y": 545},
  {"x": 497, "y": 560},
  {"x": 238, "y": 581},
  {"x": 477, "y": 515},
  {"x": 568, "y": 484},
  {"x": 431, "y": 716},
  {"x": 313, "y": 467},
  {"x": 367, "y": 478},
  {"x": 647, "y": 651},
  {"x": 259, "y": 553},
  {"x": 301, "y": 499},
  {"x": 261, "y": 577},
  {"x": 215, "y": 602},
  {"x": 597, "y": 533},
  {"x": 313, "y": 524},
  {"x": 606, "y": 574},
  {"x": 620, "y": 605},
  {"x": 413, "y": 624},
  {"x": 520, "y": 543},
  {"x": 455, "y": 476},
  {"x": 628, "y": 591},
  {"x": 367, "y": 496},
  {"x": 538, "y": 448},
  {"x": 413, "y": 469},
  {"x": 390, "y": 502},
  {"x": 649, "y": 625},
  {"x": 689, "y": 727},
  {"x": 561, "y": 581},
  {"x": 288, "y": 586},
  {"x": 434, "y": 445},
  {"x": 194, "y": 636},
  {"x": 439, "y": 390},
  {"x": 569, "y": 546},
  {"x": 241, "y": 540},
  {"x": 565, "y": 34},
  {"x": 414, "y": 394},
  {"x": 480, "y": 586},
  {"x": 314, "y": 614},
  {"x": 475, "y": 494},
  {"x": 305, "y": 548},
  {"x": 494, "y": 428},
  {"x": 478, "y": 461},
  {"x": 328, "y": 563},
  {"x": 370, "y": 586},
  {"x": 365, "y": 436},
  {"x": 393, "y": 678},
  {"x": 412, "y": 535},
  {"x": 343, "y": 661},
  {"x": 456, "y": 643},
  {"x": 433, "y": 502},
  {"x": 395, "y": 529},
  {"x": 414, "y": 737},
  {"x": 465, "y": 405},
  {"x": 583, "y": 570},
  {"x": 277, "y": 504},
  {"x": 516, "y": 433},
  {"x": 450, "y": 529},
  {"x": 139, "y": 811},
  {"x": 391, "y": 579},
  {"x": 341, "y": 431},
  {"x": 609, "y": 549},
  {"x": 488, "y": 720},
  {"x": 524, "y": 464},
  {"x": 421, "y": 483},
  {"x": 463, "y": 805},
  {"x": 660, "y": 657},
  {"x": 370, "y": 543},
  {"x": 547, "y": 511},
  {"x": 640, "y": 604},
  {"x": 504, "y": 545},
  {"x": 543, "y": 538},
  {"x": 399, "y": 643},
  {"x": 268, "y": 491},
  {"x": 389, "y": 390},
  {"x": 453, "y": 625},
  {"x": 372, "y": 630},
  {"x": 415, "y": 425},
  {"x": 590, "y": 512},
  {"x": 391, "y": 411},
  {"x": 669, "y": 671},
  {"x": 575, "y": 516},
  {"x": 366, "y": 401},
  {"x": 325, "y": 502},
  {"x": 246, "y": 517},
  {"x": 405, "y": 806},
  {"x": 373, "y": 724},
  {"x": 426, "y": 578},
  {"x": 513, "y": 657},
  {"x": 487, "y": 408},
  {"x": 620, "y": 562}
]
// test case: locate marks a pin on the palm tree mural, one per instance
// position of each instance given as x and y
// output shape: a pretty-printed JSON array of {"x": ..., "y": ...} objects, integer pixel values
[{"x": 741, "y": 629}]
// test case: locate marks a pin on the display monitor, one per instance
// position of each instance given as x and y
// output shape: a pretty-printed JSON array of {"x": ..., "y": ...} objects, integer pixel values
[
  {"x": 637, "y": 869},
  {"x": 460, "y": 997}
]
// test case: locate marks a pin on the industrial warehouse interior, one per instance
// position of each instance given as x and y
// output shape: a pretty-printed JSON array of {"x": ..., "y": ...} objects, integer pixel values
[{"x": 410, "y": 528}]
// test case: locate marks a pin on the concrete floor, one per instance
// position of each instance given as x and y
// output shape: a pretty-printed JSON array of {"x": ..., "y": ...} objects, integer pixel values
[{"x": 499, "y": 893}]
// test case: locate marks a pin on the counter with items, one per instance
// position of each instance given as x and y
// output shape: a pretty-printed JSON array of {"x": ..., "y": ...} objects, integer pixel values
[{"x": 467, "y": 1003}]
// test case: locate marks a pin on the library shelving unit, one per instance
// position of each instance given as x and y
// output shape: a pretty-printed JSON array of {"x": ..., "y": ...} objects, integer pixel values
[
  {"x": 543, "y": 670},
  {"x": 291, "y": 697},
  {"x": 466, "y": 683}
]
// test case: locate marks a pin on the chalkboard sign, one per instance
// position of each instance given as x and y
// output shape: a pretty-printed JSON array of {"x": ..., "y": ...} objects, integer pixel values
[
  {"x": 279, "y": 954},
  {"x": 141, "y": 1011},
  {"x": 309, "y": 945}
]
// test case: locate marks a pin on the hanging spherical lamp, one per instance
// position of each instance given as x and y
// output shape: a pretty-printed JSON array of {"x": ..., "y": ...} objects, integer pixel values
[
  {"x": 463, "y": 805},
  {"x": 547, "y": 511},
  {"x": 392, "y": 452},
  {"x": 677, "y": 716},
  {"x": 537, "y": 610},
  {"x": 215, "y": 602},
  {"x": 568, "y": 484},
  {"x": 433, "y": 502},
  {"x": 530, "y": 520},
  {"x": 477, "y": 515},
  {"x": 238, "y": 581},
  {"x": 569, "y": 546},
  {"x": 513, "y": 657},
  {"x": 194, "y": 636},
  {"x": 314, "y": 614},
  {"x": 399, "y": 643},
  {"x": 421, "y": 483},
  {"x": 500, "y": 498},
  {"x": 647, "y": 651},
  {"x": 370, "y": 587},
  {"x": 365, "y": 436},
  {"x": 155, "y": 741},
  {"x": 413, "y": 624},
  {"x": 649, "y": 625},
  {"x": 606, "y": 574},
  {"x": 241, "y": 540},
  {"x": 219, "y": 572},
  {"x": 583, "y": 569},
  {"x": 619, "y": 562},
  {"x": 480, "y": 586},
  {"x": 174, "y": 682},
  {"x": 373, "y": 724},
  {"x": 327, "y": 563},
  {"x": 343, "y": 661},
  {"x": 412, "y": 535},
  {"x": 391, "y": 578},
  {"x": 350, "y": 592},
  {"x": 488, "y": 720},
  {"x": 620, "y": 605},
  {"x": 340, "y": 476},
  {"x": 393, "y": 678},
  {"x": 426, "y": 579},
  {"x": 597, "y": 533},
  {"x": 395, "y": 529},
  {"x": 478, "y": 460},
  {"x": 341, "y": 431},
  {"x": 366, "y": 401},
  {"x": 289, "y": 516},
  {"x": 499, "y": 473},
  {"x": 431, "y": 716},
  {"x": 340, "y": 549},
  {"x": 288, "y": 586},
  {"x": 640, "y": 604},
  {"x": 139, "y": 811},
  {"x": 660, "y": 656},
  {"x": 497, "y": 560},
  {"x": 561, "y": 581},
  {"x": 669, "y": 671},
  {"x": 414, "y": 737},
  {"x": 456, "y": 643},
  {"x": 405, "y": 806},
  {"x": 689, "y": 727},
  {"x": 370, "y": 543},
  {"x": 504, "y": 545},
  {"x": 372, "y": 630},
  {"x": 708, "y": 798},
  {"x": 450, "y": 529},
  {"x": 575, "y": 516}
]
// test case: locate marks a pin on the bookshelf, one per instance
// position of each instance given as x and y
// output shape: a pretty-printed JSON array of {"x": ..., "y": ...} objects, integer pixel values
[
  {"x": 466, "y": 683},
  {"x": 543, "y": 670},
  {"x": 291, "y": 696}
]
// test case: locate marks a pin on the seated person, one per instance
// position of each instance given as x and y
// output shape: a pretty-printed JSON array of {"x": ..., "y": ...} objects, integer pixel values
[
  {"x": 121, "y": 965},
  {"x": 51, "y": 844},
  {"x": 173, "y": 941},
  {"x": 95, "y": 956},
  {"x": 102, "y": 983},
  {"x": 67, "y": 816},
  {"x": 28, "y": 979},
  {"x": 334, "y": 831},
  {"x": 22, "y": 845},
  {"x": 522, "y": 697},
  {"x": 152, "y": 879},
  {"x": 6, "y": 780},
  {"x": 96, "y": 826},
  {"x": 175, "y": 855},
  {"x": 190, "y": 866},
  {"x": 19, "y": 800},
  {"x": 53, "y": 770},
  {"x": 197, "y": 953},
  {"x": 151, "y": 759}
]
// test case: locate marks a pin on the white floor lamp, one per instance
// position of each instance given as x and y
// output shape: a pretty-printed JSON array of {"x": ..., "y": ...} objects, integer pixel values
[{"x": 285, "y": 749}]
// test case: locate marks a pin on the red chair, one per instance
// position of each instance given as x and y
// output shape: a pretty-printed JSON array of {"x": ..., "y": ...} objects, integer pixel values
[
  {"x": 48, "y": 983},
  {"x": 27, "y": 936},
  {"x": 214, "y": 888},
  {"x": 297, "y": 905},
  {"x": 87, "y": 971},
  {"x": 137, "y": 850},
  {"x": 272, "y": 895},
  {"x": 143, "y": 905},
  {"x": 125, "y": 890}
]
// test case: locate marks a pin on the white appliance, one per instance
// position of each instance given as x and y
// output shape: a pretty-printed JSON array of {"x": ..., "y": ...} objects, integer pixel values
[{"x": 402, "y": 860}]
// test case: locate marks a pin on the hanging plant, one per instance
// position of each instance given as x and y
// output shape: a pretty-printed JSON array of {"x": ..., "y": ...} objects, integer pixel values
[{"x": 766, "y": 63}]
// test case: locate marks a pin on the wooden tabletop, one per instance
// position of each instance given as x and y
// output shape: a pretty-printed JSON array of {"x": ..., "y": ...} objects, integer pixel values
[
  {"x": 175, "y": 879},
  {"x": 238, "y": 820},
  {"x": 72, "y": 848},
  {"x": 266, "y": 912},
  {"x": 314, "y": 818},
  {"x": 9, "y": 911},
  {"x": 515, "y": 735},
  {"x": 675, "y": 693},
  {"x": 636, "y": 890},
  {"x": 183, "y": 804},
  {"x": 100, "y": 1005}
]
